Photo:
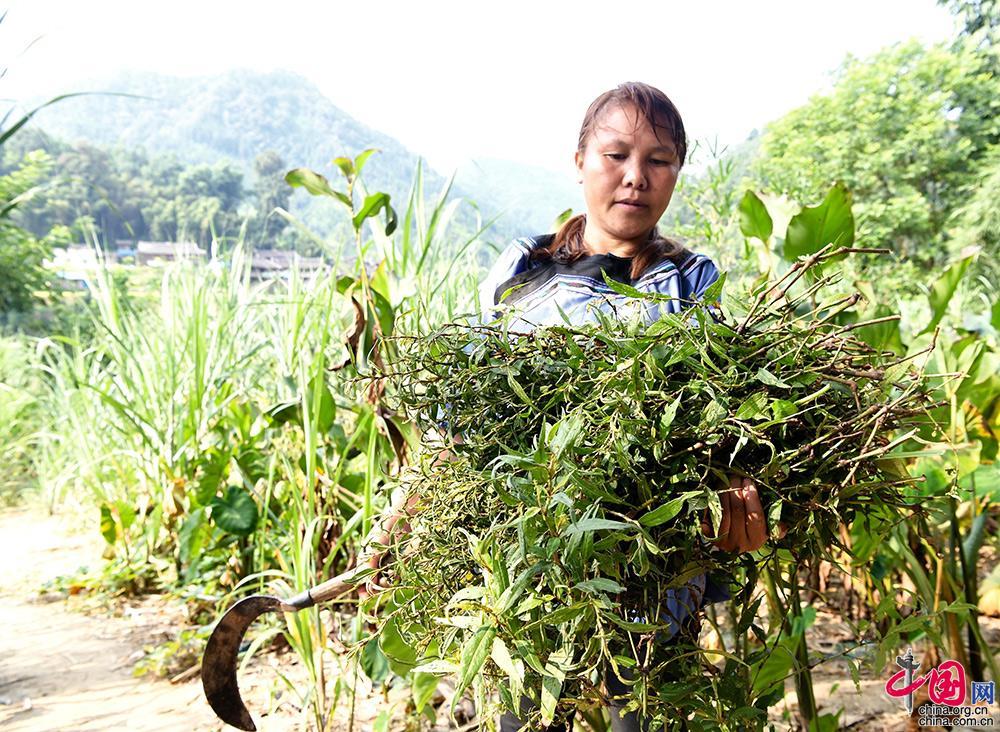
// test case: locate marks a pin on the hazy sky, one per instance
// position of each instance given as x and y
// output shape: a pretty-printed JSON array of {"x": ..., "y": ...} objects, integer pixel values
[{"x": 454, "y": 80}]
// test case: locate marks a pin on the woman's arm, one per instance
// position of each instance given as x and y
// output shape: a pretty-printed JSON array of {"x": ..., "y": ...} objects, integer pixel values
[{"x": 393, "y": 523}]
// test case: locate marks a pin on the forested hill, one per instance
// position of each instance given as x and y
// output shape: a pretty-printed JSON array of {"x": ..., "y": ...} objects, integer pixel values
[{"x": 238, "y": 115}]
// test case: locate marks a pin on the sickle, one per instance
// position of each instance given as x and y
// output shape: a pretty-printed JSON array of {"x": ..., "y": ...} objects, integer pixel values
[{"x": 218, "y": 665}]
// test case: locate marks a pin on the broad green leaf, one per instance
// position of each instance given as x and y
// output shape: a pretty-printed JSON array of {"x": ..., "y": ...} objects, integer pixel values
[
  {"x": 283, "y": 412},
  {"x": 401, "y": 655},
  {"x": 373, "y": 204},
  {"x": 192, "y": 535},
  {"x": 346, "y": 166},
  {"x": 235, "y": 512},
  {"x": 755, "y": 221},
  {"x": 774, "y": 514},
  {"x": 315, "y": 184},
  {"x": 213, "y": 469},
  {"x": 814, "y": 227},
  {"x": 884, "y": 336},
  {"x": 381, "y": 723},
  {"x": 943, "y": 290},
  {"x": 362, "y": 158},
  {"x": 782, "y": 408},
  {"x": 423, "y": 687},
  {"x": 514, "y": 669},
  {"x": 126, "y": 513},
  {"x": 325, "y": 412},
  {"x": 374, "y": 663},
  {"x": 713, "y": 293},
  {"x": 666, "y": 511},
  {"x": 109, "y": 530}
]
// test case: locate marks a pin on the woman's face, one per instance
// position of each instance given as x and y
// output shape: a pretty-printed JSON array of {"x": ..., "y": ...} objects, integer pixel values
[{"x": 628, "y": 177}]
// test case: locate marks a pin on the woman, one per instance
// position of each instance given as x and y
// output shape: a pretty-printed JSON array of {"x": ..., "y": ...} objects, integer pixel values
[{"x": 630, "y": 150}]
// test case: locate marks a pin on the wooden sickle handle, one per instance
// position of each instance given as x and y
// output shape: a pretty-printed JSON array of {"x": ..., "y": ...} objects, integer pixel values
[{"x": 329, "y": 590}]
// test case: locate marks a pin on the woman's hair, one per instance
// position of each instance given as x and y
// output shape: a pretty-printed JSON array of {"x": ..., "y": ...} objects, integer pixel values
[{"x": 661, "y": 114}]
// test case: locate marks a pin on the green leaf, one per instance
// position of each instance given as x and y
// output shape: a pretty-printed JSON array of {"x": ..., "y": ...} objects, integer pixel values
[
  {"x": 515, "y": 671},
  {"x": 235, "y": 512},
  {"x": 315, "y": 184},
  {"x": 423, "y": 687},
  {"x": 438, "y": 667},
  {"x": 109, "y": 530},
  {"x": 814, "y": 227},
  {"x": 374, "y": 663},
  {"x": 782, "y": 408},
  {"x": 713, "y": 293},
  {"x": 664, "y": 512},
  {"x": 943, "y": 290},
  {"x": 598, "y": 585},
  {"x": 283, "y": 412},
  {"x": 402, "y": 657},
  {"x": 213, "y": 469},
  {"x": 192, "y": 535},
  {"x": 753, "y": 407},
  {"x": 551, "y": 687},
  {"x": 325, "y": 412},
  {"x": 513, "y": 593},
  {"x": 766, "y": 377},
  {"x": 668, "y": 415},
  {"x": 755, "y": 221},
  {"x": 371, "y": 207},
  {"x": 362, "y": 158},
  {"x": 346, "y": 166},
  {"x": 595, "y": 524},
  {"x": 474, "y": 654},
  {"x": 126, "y": 514}
]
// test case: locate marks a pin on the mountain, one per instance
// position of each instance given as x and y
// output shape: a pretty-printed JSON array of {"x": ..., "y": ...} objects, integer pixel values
[
  {"x": 529, "y": 197},
  {"x": 238, "y": 115}
]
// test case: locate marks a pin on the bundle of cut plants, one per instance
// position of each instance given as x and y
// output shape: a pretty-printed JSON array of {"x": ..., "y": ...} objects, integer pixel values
[{"x": 550, "y": 547}]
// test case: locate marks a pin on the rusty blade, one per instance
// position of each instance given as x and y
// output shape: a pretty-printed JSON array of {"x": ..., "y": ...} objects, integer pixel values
[{"x": 218, "y": 666}]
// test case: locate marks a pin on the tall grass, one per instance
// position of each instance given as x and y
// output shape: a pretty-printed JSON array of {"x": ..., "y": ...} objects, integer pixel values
[{"x": 223, "y": 434}]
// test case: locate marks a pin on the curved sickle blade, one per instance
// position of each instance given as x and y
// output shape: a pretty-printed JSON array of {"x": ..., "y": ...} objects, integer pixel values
[{"x": 218, "y": 665}]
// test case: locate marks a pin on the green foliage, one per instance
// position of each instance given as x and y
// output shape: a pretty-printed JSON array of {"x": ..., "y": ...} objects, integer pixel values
[
  {"x": 977, "y": 221},
  {"x": 980, "y": 18},
  {"x": 21, "y": 253},
  {"x": 20, "y": 389},
  {"x": 548, "y": 545},
  {"x": 832, "y": 222},
  {"x": 902, "y": 130}
]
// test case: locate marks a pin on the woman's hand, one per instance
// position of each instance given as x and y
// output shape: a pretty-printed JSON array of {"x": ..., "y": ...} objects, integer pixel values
[
  {"x": 373, "y": 584},
  {"x": 743, "y": 528}
]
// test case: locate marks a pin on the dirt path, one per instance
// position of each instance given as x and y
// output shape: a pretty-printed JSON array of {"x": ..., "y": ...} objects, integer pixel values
[{"x": 62, "y": 670}]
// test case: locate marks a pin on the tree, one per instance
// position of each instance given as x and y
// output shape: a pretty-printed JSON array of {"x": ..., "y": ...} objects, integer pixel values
[
  {"x": 903, "y": 130},
  {"x": 21, "y": 254},
  {"x": 979, "y": 17},
  {"x": 977, "y": 222},
  {"x": 271, "y": 192}
]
